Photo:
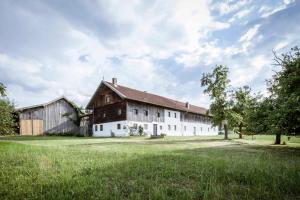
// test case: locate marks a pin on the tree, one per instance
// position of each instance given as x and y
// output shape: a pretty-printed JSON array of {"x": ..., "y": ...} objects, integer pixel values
[
  {"x": 241, "y": 103},
  {"x": 2, "y": 90},
  {"x": 7, "y": 121},
  {"x": 216, "y": 84},
  {"x": 285, "y": 95},
  {"x": 258, "y": 117}
]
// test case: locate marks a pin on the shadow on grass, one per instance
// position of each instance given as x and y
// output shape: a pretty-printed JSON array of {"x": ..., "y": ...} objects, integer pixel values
[
  {"x": 29, "y": 137},
  {"x": 151, "y": 142}
]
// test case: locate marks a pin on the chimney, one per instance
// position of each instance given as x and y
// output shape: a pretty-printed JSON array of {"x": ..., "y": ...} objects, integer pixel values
[
  {"x": 114, "y": 81},
  {"x": 187, "y": 105}
]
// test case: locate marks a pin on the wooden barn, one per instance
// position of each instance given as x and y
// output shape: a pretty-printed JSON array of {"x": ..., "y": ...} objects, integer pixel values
[{"x": 55, "y": 117}]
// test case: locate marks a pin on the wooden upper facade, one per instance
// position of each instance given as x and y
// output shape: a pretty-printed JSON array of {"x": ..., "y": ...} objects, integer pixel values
[{"x": 112, "y": 102}]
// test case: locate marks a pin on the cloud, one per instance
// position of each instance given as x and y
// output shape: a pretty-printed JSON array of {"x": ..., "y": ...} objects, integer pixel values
[
  {"x": 53, "y": 48},
  {"x": 249, "y": 35}
]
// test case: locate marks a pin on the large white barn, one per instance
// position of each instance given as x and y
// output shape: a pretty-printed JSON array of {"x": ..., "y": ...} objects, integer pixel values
[{"x": 121, "y": 111}]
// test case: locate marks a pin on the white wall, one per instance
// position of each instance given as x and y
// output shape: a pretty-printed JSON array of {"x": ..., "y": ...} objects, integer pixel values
[
  {"x": 201, "y": 129},
  {"x": 109, "y": 128},
  {"x": 162, "y": 127},
  {"x": 172, "y": 122}
]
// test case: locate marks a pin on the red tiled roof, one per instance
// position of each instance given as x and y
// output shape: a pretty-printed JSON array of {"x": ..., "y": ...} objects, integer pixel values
[{"x": 136, "y": 95}]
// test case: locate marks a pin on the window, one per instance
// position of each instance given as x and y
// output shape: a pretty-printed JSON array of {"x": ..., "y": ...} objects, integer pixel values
[
  {"x": 135, "y": 126},
  {"x": 194, "y": 130},
  {"x": 160, "y": 127},
  {"x": 145, "y": 126},
  {"x": 175, "y": 115},
  {"x": 96, "y": 127},
  {"x": 136, "y": 111},
  {"x": 169, "y": 127},
  {"x": 184, "y": 128},
  {"x": 118, "y": 126},
  {"x": 175, "y": 127},
  {"x": 146, "y": 112},
  {"x": 201, "y": 129},
  {"x": 208, "y": 129},
  {"x": 119, "y": 111},
  {"x": 101, "y": 127},
  {"x": 104, "y": 115},
  {"x": 158, "y": 114},
  {"x": 107, "y": 99},
  {"x": 169, "y": 114}
]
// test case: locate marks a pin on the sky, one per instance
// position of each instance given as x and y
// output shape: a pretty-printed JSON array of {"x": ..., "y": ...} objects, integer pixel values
[{"x": 54, "y": 48}]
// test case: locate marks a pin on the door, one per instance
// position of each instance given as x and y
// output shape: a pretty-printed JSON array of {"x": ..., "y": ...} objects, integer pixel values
[
  {"x": 31, "y": 127},
  {"x": 154, "y": 129}
]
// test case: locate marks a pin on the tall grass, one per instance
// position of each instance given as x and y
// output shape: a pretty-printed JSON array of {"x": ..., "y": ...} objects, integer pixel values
[{"x": 146, "y": 169}]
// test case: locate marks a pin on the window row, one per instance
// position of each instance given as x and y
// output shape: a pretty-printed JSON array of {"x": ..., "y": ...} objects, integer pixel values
[
  {"x": 145, "y": 112},
  {"x": 169, "y": 114},
  {"x": 100, "y": 127},
  {"x": 119, "y": 112}
]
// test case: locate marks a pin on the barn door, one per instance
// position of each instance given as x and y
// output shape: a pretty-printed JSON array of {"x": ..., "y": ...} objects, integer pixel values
[{"x": 31, "y": 127}]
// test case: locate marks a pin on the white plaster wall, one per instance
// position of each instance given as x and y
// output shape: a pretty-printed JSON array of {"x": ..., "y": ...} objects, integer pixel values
[
  {"x": 172, "y": 121},
  {"x": 111, "y": 127},
  {"x": 201, "y": 129},
  {"x": 149, "y": 130},
  {"x": 162, "y": 127}
]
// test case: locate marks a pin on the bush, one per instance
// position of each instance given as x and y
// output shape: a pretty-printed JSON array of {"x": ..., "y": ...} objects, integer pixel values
[
  {"x": 141, "y": 130},
  {"x": 65, "y": 134},
  {"x": 7, "y": 119}
]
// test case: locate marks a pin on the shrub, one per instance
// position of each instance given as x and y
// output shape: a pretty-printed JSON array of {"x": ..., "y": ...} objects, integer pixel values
[
  {"x": 140, "y": 130},
  {"x": 7, "y": 119},
  {"x": 65, "y": 134}
]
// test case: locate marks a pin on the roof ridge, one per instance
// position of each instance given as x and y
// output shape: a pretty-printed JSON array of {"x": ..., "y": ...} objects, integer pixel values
[
  {"x": 175, "y": 101},
  {"x": 45, "y": 104}
]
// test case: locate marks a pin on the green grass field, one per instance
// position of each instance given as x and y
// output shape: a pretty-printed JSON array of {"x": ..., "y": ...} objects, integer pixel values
[{"x": 140, "y": 168}]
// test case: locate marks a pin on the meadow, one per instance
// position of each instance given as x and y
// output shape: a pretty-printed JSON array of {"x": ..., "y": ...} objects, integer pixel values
[{"x": 141, "y": 168}]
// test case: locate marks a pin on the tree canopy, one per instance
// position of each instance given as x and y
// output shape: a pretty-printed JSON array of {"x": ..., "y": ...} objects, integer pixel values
[
  {"x": 216, "y": 84},
  {"x": 7, "y": 121}
]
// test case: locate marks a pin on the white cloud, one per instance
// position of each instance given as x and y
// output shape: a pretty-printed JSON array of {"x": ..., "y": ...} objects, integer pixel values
[
  {"x": 240, "y": 14},
  {"x": 251, "y": 69},
  {"x": 229, "y": 7},
  {"x": 281, "y": 45},
  {"x": 68, "y": 53},
  {"x": 249, "y": 35}
]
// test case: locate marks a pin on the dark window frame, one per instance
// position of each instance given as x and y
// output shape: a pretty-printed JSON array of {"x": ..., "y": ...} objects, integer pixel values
[{"x": 146, "y": 112}]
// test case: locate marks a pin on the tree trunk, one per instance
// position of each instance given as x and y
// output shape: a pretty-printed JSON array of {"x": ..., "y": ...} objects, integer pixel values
[
  {"x": 225, "y": 132},
  {"x": 278, "y": 138},
  {"x": 240, "y": 132}
]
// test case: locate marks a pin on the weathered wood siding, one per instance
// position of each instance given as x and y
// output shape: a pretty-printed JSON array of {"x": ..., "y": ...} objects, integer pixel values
[
  {"x": 103, "y": 111},
  {"x": 141, "y": 117},
  {"x": 56, "y": 122},
  {"x": 192, "y": 117},
  {"x": 104, "y": 91},
  {"x": 53, "y": 117},
  {"x": 110, "y": 113},
  {"x": 34, "y": 113}
]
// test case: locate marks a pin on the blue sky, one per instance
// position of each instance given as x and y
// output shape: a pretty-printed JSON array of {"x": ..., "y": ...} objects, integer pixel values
[{"x": 54, "y": 48}]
